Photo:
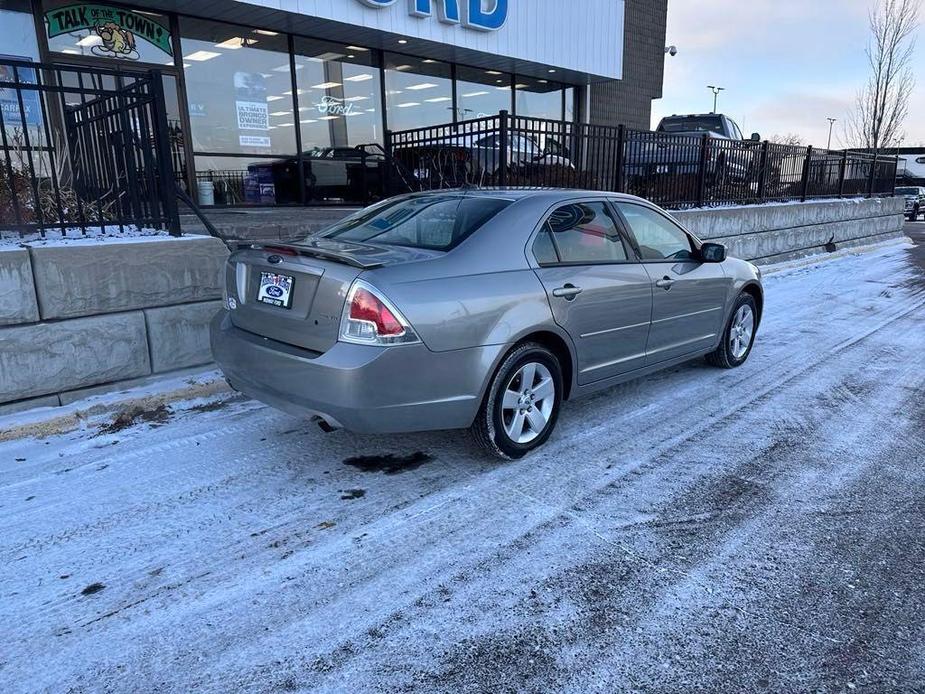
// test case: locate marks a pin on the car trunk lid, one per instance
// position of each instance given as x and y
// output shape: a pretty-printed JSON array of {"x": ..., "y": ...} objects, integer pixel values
[{"x": 321, "y": 272}]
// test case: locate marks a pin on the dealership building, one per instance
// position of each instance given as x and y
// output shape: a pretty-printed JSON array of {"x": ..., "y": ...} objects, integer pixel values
[{"x": 249, "y": 82}]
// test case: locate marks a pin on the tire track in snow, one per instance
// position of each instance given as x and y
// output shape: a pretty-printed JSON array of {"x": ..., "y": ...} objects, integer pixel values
[{"x": 394, "y": 540}]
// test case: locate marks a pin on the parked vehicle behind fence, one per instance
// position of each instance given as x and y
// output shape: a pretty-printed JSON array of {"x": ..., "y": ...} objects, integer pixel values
[
  {"x": 915, "y": 200},
  {"x": 483, "y": 309},
  {"x": 476, "y": 159},
  {"x": 677, "y": 150}
]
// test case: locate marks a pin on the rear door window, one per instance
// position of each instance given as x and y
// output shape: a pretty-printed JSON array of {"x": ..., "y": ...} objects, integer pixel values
[
  {"x": 585, "y": 232},
  {"x": 543, "y": 249}
]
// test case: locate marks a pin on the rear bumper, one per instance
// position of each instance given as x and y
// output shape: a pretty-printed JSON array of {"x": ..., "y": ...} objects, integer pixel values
[{"x": 360, "y": 388}]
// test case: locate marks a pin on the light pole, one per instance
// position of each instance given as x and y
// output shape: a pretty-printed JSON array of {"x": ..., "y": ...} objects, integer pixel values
[
  {"x": 716, "y": 91},
  {"x": 831, "y": 125}
]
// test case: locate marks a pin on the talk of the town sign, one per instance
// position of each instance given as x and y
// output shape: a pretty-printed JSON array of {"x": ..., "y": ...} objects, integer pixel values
[{"x": 469, "y": 13}]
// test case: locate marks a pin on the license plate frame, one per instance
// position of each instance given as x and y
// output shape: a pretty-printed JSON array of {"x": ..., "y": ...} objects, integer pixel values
[{"x": 275, "y": 289}]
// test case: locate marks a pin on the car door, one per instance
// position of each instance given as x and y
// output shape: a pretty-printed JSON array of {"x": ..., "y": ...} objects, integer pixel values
[
  {"x": 688, "y": 296},
  {"x": 598, "y": 291}
]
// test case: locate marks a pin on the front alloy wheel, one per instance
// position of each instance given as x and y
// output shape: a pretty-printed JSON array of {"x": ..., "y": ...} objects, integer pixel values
[
  {"x": 739, "y": 335},
  {"x": 522, "y": 403}
]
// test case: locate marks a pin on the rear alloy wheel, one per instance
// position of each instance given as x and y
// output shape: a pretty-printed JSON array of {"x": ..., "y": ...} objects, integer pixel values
[
  {"x": 739, "y": 335},
  {"x": 522, "y": 404}
]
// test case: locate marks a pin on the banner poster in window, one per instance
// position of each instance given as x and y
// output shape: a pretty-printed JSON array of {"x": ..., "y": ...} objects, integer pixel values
[
  {"x": 31, "y": 112},
  {"x": 253, "y": 113},
  {"x": 110, "y": 31}
]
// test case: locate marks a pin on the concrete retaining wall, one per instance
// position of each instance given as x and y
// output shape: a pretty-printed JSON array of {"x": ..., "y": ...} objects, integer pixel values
[
  {"x": 83, "y": 315},
  {"x": 84, "y": 318},
  {"x": 17, "y": 292},
  {"x": 773, "y": 233}
]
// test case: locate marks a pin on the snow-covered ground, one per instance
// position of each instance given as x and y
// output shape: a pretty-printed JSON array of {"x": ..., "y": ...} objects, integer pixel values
[
  {"x": 78, "y": 236},
  {"x": 698, "y": 530}
]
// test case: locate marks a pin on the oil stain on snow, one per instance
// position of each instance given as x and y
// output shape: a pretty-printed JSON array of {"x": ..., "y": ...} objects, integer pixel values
[{"x": 389, "y": 464}]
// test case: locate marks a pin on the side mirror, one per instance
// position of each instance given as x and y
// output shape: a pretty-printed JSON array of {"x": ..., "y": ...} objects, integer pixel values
[
  {"x": 755, "y": 137},
  {"x": 712, "y": 252}
]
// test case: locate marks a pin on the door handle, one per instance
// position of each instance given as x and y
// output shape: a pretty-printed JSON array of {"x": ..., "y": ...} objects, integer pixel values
[
  {"x": 665, "y": 283},
  {"x": 568, "y": 292}
]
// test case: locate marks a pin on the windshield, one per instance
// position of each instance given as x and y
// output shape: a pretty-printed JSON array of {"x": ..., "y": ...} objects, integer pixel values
[
  {"x": 433, "y": 222},
  {"x": 692, "y": 124},
  {"x": 907, "y": 191}
]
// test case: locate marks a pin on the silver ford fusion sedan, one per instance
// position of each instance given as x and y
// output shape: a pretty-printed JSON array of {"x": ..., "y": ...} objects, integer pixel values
[{"x": 484, "y": 309}]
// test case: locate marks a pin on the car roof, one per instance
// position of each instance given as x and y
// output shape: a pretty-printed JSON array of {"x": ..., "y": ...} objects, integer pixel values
[{"x": 552, "y": 195}]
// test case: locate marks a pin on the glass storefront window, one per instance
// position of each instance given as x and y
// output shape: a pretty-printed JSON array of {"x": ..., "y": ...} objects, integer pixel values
[
  {"x": 538, "y": 98},
  {"x": 418, "y": 92},
  {"x": 19, "y": 43},
  {"x": 481, "y": 93},
  {"x": 339, "y": 95},
  {"x": 17, "y": 30},
  {"x": 108, "y": 31},
  {"x": 239, "y": 89}
]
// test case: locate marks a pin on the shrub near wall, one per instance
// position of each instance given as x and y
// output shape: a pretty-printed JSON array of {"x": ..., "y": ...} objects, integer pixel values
[{"x": 95, "y": 312}]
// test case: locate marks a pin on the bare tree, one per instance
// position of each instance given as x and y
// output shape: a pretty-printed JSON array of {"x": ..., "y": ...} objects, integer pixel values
[
  {"x": 882, "y": 105},
  {"x": 791, "y": 139}
]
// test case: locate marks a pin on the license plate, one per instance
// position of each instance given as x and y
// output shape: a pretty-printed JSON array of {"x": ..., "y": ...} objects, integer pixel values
[{"x": 275, "y": 290}]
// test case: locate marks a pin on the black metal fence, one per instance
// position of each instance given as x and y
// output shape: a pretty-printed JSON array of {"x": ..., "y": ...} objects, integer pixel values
[
  {"x": 83, "y": 147},
  {"x": 671, "y": 170}
]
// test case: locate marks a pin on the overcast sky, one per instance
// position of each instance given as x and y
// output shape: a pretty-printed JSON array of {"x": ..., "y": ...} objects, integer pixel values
[{"x": 786, "y": 64}]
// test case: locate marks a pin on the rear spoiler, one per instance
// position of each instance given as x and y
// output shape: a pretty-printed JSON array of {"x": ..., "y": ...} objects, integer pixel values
[{"x": 312, "y": 250}]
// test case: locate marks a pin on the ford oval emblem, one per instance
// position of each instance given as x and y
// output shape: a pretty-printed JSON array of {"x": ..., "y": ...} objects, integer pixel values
[
  {"x": 275, "y": 259},
  {"x": 275, "y": 292}
]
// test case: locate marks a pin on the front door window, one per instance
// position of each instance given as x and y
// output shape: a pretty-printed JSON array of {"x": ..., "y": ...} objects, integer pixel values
[{"x": 658, "y": 237}]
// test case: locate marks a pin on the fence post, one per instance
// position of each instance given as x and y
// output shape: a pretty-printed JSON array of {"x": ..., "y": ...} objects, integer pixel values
[
  {"x": 843, "y": 168},
  {"x": 807, "y": 165},
  {"x": 621, "y": 145},
  {"x": 702, "y": 173},
  {"x": 164, "y": 163},
  {"x": 387, "y": 182},
  {"x": 763, "y": 170},
  {"x": 873, "y": 168},
  {"x": 504, "y": 118}
]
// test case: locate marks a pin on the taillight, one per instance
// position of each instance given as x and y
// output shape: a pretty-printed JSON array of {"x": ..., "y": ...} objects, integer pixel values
[{"x": 370, "y": 319}]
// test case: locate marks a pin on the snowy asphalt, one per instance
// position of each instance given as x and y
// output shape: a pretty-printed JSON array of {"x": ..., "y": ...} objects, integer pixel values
[{"x": 755, "y": 529}]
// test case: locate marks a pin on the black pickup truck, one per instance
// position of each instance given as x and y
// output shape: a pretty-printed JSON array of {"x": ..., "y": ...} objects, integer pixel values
[{"x": 675, "y": 148}]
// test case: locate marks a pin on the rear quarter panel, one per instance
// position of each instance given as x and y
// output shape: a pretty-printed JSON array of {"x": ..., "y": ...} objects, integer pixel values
[{"x": 473, "y": 310}]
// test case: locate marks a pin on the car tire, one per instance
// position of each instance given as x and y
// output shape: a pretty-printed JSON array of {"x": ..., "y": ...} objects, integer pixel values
[
  {"x": 738, "y": 339},
  {"x": 495, "y": 422}
]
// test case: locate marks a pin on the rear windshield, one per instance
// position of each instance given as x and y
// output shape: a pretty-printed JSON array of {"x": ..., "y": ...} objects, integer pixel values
[
  {"x": 433, "y": 222},
  {"x": 907, "y": 191},
  {"x": 700, "y": 124}
]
